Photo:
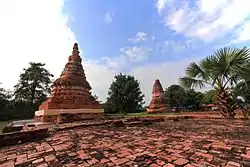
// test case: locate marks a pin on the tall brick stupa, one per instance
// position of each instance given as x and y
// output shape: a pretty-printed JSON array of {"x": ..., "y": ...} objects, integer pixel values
[
  {"x": 158, "y": 102},
  {"x": 71, "y": 96}
]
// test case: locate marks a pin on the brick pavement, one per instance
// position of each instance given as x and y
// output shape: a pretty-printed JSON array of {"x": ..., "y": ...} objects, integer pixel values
[{"x": 189, "y": 143}]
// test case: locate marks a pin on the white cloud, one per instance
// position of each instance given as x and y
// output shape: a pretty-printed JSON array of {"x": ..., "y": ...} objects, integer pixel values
[
  {"x": 244, "y": 32},
  {"x": 167, "y": 72},
  {"x": 140, "y": 36},
  {"x": 32, "y": 31},
  {"x": 161, "y": 4},
  {"x": 30, "y": 34},
  {"x": 207, "y": 19},
  {"x": 135, "y": 53},
  {"x": 109, "y": 17},
  {"x": 99, "y": 76}
]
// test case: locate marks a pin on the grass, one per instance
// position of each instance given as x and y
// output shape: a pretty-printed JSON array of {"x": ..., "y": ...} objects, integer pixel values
[{"x": 141, "y": 114}]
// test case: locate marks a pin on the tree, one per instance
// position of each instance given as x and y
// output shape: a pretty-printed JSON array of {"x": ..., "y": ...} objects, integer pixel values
[
  {"x": 125, "y": 95},
  {"x": 243, "y": 90},
  {"x": 4, "y": 103},
  {"x": 222, "y": 70},
  {"x": 193, "y": 99},
  {"x": 33, "y": 86},
  {"x": 209, "y": 97},
  {"x": 178, "y": 97},
  {"x": 175, "y": 96}
]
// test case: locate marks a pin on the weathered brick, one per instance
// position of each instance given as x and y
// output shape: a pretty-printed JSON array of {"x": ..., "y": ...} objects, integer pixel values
[
  {"x": 154, "y": 165},
  {"x": 209, "y": 157},
  {"x": 181, "y": 161},
  {"x": 120, "y": 161},
  {"x": 104, "y": 161},
  {"x": 8, "y": 164},
  {"x": 233, "y": 164},
  {"x": 42, "y": 165},
  {"x": 38, "y": 161},
  {"x": 169, "y": 165},
  {"x": 50, "y": 158}
]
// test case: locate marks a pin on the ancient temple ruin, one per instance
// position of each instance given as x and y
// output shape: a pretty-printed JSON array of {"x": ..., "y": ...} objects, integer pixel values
[
  {"x": 158, "y": 102},
  {"x": 70, "y": 94}
]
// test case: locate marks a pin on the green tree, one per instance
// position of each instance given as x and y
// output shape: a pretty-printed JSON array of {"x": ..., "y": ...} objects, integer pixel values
[
  {"x": 4, "y": 104},
  {"x": 33, "y": 86},
  {"x": 193, "y": 99},
  {"x": 209, "y": 97},
  {"x": 225, "y": 68},
  {"x": 242, "y": 89},
  {"x": 125, "y": 95},
  {"x": 175, "y": 96}
]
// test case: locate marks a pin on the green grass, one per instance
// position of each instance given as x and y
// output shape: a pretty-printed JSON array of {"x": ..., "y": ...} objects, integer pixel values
[
  {"x": 2, "y": 124},
  {"x": 143, "y": 114}
]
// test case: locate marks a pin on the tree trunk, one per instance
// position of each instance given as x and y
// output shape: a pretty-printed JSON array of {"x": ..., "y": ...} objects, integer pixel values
[
  {"x": 33, "y": 91},
  {"x": 225, "y": 103}
]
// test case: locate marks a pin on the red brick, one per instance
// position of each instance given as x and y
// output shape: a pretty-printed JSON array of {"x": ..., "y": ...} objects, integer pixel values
[
  {"x": 159, "y": 162},
  {"x": 169, "y": 165},
  {"x": 50, "y": 158},
  {"x": 43, "y": 165},
  {"x": 92, "y": 161},
  {"x": 169, "y": 158},
  {"x": 206, "y": 146},
  {"x": 113, "y": 158},
  {"x": 189, "y": 165},
  {"x": 246, "y": 156},
  {"x": 233, "y": 164},
  {"x": 154, "y": 165},
  {"x": 104, "y": 161},
  {"x": 38, "y": 161},
  {"x": 123, "y": 154},
  {"x": 120, "y": 161},
  {"x": 34, "y": 155},
  {"x": 8, "y": 164},
  {"x": 178, "y": 147},
  {"x": 72, "y": 154},
  {"x": 221, "y": 146},
  {"x": 181, "y": 161},
  {"x": 209, "y": 157},
  {"x": 110, "y": 164}
]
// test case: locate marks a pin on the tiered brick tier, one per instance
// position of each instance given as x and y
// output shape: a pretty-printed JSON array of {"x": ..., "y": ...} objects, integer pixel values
[
  {"x": 158, "y": 102},
  {"x": 70, "y": 93}
]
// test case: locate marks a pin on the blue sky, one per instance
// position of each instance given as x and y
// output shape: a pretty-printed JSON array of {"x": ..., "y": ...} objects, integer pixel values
[
  {"x": 110, "y": 24},
  {"x": 149, "y": 39}
]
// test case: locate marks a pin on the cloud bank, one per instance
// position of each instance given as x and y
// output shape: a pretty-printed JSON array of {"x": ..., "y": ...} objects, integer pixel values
[
  {"x": 30, "y": 34},
  {"x": 207, "y": 20}
]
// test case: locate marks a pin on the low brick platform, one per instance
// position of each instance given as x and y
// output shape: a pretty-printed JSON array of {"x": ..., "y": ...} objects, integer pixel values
[{"x": 187, "y": 143}]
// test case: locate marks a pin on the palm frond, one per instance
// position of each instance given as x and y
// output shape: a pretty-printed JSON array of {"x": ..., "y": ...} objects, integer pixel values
[
  {"x": 194, "y": 70},
  {"x": 191, "y": 83}
]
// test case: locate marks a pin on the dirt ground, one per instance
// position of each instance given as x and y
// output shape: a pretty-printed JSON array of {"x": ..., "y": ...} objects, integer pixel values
[{"x": 190, "y": 142}]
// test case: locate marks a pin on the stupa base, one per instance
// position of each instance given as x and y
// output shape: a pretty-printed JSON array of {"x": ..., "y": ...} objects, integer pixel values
[
  {"x": 158, "y": 110},
  {"x": 68, "y": 115}
]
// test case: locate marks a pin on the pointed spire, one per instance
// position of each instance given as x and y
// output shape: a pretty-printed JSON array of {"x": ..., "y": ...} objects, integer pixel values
[
  {"x": 75, "y": 49},
  {"x": 157, "y": 88}
]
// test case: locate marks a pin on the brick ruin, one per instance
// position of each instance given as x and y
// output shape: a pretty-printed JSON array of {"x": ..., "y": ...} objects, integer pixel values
[
  {"x": 158, "y": 102},
  {"x": 70, "y": 95}
]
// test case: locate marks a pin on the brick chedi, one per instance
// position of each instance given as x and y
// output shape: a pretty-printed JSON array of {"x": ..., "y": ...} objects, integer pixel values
[
  {"x": 158, "y": 102},
  {"x": 70, "y": 93}
]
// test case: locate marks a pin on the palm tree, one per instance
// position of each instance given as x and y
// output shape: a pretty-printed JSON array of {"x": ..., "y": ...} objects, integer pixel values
[{"x": 222, "y": 70}]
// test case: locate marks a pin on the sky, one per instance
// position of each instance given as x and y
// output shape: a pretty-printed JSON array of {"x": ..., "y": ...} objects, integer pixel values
[{"x": 149, "y": 39}]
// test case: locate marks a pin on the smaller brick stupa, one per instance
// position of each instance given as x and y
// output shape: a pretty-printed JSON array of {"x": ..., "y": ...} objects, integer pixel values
[
  {"x": 71, "y": 96},
  {"x": 158, "y": 102}
]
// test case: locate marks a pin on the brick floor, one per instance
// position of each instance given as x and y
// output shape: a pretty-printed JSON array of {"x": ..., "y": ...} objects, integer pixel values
[{"x": 189, "y": 143}]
